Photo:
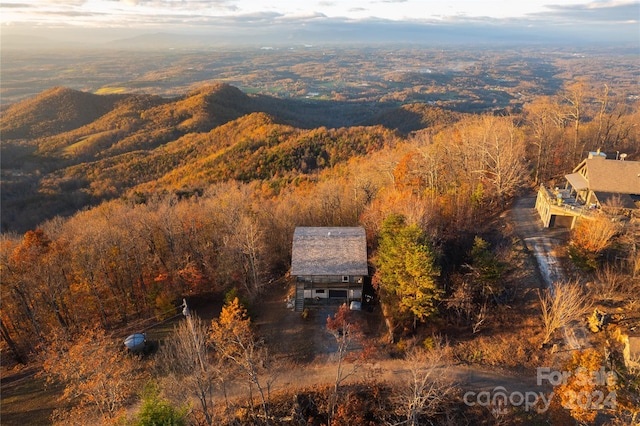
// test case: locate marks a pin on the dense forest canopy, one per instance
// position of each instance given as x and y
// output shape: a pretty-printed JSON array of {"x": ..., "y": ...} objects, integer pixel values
[{"x": 197, "y": 183}]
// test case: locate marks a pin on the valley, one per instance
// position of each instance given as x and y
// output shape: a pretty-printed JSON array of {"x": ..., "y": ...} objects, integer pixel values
[{"x": 459, "y": 77}]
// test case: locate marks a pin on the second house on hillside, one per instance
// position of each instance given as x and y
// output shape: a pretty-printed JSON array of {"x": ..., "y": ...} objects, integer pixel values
[
  {"x": 610, "y": 186},
  {"x": 329, "y": 264}
]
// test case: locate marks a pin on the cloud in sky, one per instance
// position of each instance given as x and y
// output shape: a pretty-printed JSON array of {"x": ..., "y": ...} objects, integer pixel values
[
  {"x": 594, "y": 12},
  {"x": 148, "y": 10},
  {"x": 183, "y": 15},
  {"x": 16, "y": 5}
]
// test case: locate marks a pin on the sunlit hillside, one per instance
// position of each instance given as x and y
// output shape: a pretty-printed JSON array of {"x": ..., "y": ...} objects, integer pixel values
[{"x": 95, "y": 147}]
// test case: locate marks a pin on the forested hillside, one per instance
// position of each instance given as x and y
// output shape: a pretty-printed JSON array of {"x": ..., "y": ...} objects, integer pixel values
[
  {"x": 83, "y": 154},
  {"x": 55, "y": 111},
  {"x": 116, "y": 207},
  {"x": 65, "y": 149}
]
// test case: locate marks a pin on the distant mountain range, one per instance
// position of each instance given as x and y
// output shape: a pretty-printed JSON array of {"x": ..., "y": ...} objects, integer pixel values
[
  {"x": 328, "y": 31},
  {"x": 60, "y": 110}
]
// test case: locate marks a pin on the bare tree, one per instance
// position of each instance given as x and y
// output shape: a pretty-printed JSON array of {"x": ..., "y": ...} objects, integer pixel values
[
  {"x": 461, "y": 299},
  {"x": 185, "y": 359},
  {"x": 575, "y": 98},
  {"x": 504, "y": 152},
  {"x": 611, "y": 283},
  {"x": 540, "y": 116},
  {"x": 561, "y": 304},
  {"x": 250, "y": 242},
  {"x": 479, "y": 318},
  {"x": 630, "y": 243},
  {"x": 426, "y": 383}
]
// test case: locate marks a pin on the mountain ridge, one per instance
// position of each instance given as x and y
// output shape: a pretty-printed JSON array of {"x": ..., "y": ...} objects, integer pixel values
[
  {"x": 64, "y": 150},
  {"x": 34, "y": 118}
]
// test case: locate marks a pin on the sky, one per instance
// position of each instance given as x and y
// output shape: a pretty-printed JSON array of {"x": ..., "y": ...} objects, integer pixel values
[{"x": 612, "y": 18}]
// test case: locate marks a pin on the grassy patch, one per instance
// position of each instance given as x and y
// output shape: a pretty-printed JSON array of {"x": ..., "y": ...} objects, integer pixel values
[
  {"x": 94, "y": 141},
  {"x": 71, "y": 149},
  {"x": 110, "y": 90}
]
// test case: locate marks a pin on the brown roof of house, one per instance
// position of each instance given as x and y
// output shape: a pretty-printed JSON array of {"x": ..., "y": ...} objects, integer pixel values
[
  {"x": 614, "y": 176},
  {"x": 329, "y": 251}
]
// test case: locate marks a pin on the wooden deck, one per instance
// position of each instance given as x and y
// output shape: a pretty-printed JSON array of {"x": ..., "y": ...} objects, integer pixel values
[{"x": 559, "y": 209}]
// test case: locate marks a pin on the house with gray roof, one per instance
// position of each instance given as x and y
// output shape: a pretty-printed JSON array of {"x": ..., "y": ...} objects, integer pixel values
[
  {"x": 597, "y": 183},
  {"x": 329, "y": 264}
]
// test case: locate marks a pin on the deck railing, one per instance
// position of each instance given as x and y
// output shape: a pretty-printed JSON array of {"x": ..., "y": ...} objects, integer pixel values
[{"x": 562, "y": 200}]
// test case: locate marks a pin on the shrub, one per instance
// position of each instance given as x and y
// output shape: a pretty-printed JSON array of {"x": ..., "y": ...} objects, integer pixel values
[{"x": 158, "y": 412}]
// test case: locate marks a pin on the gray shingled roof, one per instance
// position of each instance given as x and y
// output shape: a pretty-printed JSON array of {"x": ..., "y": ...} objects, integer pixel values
[
  {"x": 329, "y": 251},
  {"x": 617, "y": 200},
  {"x": 614, "y": 176}
]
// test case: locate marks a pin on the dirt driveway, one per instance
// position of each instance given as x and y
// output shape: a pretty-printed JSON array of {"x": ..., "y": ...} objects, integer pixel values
[
  {"x": 526, "y": 222},
  {"x": 303, "y": 351},
  {"x": 543, "y": 243},
  {"x": 302, "y": 339}
]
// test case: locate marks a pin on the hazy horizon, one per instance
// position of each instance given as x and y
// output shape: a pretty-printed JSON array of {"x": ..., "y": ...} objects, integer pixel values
[{"x": 99, "y": 23}]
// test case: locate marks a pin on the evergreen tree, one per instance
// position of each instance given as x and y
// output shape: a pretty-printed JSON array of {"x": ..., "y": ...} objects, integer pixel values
[
  {"x": 407, "y": 270},
  {"x": 156, "y": 411},
  {"x": 486, "y": 268}
]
